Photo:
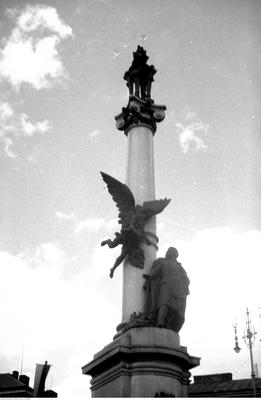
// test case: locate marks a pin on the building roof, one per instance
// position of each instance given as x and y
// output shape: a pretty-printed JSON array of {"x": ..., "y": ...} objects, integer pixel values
[
  {"x": 13, "y": 385},
  {"x": 8, "y": 380},
  {"x": 222, "y": 385},
  {"x": 9, "y": 384}
]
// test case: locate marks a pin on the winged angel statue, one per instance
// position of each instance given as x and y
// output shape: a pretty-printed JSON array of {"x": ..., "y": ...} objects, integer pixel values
[{"x": 132, "y": 219}]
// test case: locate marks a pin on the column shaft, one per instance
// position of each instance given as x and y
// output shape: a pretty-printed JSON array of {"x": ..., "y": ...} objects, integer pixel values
[{"x": 140, "y": 180}]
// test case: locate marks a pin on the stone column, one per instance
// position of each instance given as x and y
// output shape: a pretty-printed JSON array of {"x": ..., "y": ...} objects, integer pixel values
[
  {"x": 142, "y": 360},
  {"x": 138, "y": 121},
  {"x": 140, "y": 180}
]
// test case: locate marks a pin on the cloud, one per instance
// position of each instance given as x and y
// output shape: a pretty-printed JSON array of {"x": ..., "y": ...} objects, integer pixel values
[
  {"x": 30, "y": 54},
  {"x": 8, "y": 143},
  {"x": 11, "y": 121},
  {"x": 38, "y": 17},
  {"x": 66, "y": 217},
  {"x": 15, "y": 124},
  {"x": 115, "y": 54},
  {"x": 169, "y": 117},
  {"x": 223, "y": 267},
  {"x": 192, "y": 133},
  {"x": 94, "y": 133},
  {"x": 35, "y": 278},
  {"x": 58, "y": 319},
  {"x": 142, "y": 37},
  {"x": 6, "y": 112},
  {"x": 75, "y": 386},
  {"x": 47, "y": 255},
  {"x": 88, "y": 225},
  {"x": 94, "y": 225},
  {"x": 30, "y": 129}
]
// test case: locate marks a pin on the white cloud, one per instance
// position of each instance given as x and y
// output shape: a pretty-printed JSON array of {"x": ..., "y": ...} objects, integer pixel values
[
  {"x": 112, "y": 225},
  {"x": 6, "y": 112},
  {"x": 66, "y": 217},
  {"x": 75, "y": 386},
  {"x": 26, "y": 58},
  {"x": 103, "y": 259},
  {"x": 11, "y": 121},
  {"x": 29, "y": 129},
  {"x": 47, "y": 255},
  {"x": 6, "y": 117},
  {"x": 223, "y": 267},
  {"x": 192, "y": 133},
  {"x": 38, "y": 17},
  {"x": 94, "y": 224},
  {"x": 8, "y": 143},
  {"x": 58, "y": 319},
  {"x": 161, "y": 226},
  {"x": 64, "y": 316},
  {"x": 88, "y": 225},
  {"x": 94, "y": 133},
  {"x": 170, "y": 116},
  {"x": 14, "y": 123},
  {"x": 31, "y": 159}
]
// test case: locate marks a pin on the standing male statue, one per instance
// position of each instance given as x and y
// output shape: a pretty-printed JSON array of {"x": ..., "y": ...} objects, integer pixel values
[{"x": 167, "y": 290}]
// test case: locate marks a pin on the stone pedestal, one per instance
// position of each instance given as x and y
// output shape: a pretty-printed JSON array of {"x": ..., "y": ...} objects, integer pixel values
[{"x": 143, "y": 362}]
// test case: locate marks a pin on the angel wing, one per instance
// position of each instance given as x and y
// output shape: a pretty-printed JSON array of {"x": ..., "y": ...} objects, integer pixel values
[
  {"x": 154, "y": 207},
  {"x": 122, "y": 196}
]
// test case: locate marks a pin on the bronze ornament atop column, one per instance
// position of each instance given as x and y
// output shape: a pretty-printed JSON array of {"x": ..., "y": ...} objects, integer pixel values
[{"x": 141, "y": 108}]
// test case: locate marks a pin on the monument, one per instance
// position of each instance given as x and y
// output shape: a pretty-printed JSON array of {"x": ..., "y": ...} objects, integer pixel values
[{"x": 145, "y": 358}]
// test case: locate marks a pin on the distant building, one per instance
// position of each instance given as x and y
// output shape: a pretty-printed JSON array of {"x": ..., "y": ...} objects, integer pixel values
[
  {"x": 15, "y": 385},
  {"x": 223, "y": 385},
  {"x": 11, "y": 385}
]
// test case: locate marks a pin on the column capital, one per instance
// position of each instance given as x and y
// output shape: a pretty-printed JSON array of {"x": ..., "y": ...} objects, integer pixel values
[{"x": 140, "y": 112}]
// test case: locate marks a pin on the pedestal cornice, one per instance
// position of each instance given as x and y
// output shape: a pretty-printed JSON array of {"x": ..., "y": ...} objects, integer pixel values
[{"x": 140, "y": 112}]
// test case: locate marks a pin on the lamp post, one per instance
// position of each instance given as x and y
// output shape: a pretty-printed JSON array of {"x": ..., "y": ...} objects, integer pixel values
[
  {"x": 249, "y": 338},
  {"x": 236, "y": 348}
]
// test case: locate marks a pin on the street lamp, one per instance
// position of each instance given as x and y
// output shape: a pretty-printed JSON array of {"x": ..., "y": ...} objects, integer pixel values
[
  {"x": 236, "y": 348},
  {"x": 249, "y": 338}
]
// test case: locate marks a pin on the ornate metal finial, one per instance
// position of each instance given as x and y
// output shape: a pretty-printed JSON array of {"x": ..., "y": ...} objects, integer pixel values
[
  {"x": 140, "y": 52},
  {"x": 236, "y": 348},
  {"x": 140, "y": 75},
  {"x": 141, "y": 109}
]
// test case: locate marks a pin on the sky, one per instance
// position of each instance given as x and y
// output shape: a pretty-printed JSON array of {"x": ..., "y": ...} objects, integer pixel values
[{"x": 61, "y": 79}]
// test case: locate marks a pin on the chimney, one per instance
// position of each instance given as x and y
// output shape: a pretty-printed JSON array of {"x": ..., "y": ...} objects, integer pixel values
[
  {"x": 41, "y": 373},
  {"x": 15, "y": 374},
  {"x": 24, "y": 379}
]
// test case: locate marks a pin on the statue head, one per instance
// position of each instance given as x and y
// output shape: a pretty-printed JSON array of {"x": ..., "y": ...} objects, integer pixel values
[{"x": 172, "y": 252}]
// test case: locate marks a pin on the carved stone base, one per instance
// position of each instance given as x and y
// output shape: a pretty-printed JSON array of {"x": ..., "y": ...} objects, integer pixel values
[{"x": 143, "y": 362}]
